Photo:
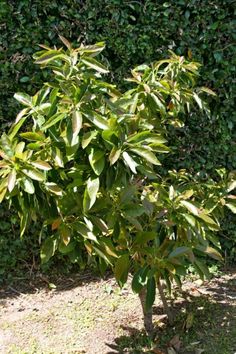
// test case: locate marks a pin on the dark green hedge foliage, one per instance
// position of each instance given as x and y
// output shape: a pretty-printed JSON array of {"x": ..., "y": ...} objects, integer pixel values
[{"x": 135, "y": 32}]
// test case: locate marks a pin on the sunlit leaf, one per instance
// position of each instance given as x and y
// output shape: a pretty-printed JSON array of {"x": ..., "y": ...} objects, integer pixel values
[
  {"x": 146, "y": 154},
  {"x": 48, "y": 249},
  {"x": 130, "y": 162},
  {"x": 42, "y": 165},
  {"x": 94, "y": 64},
  {"x": 36, "y": 175},
  {"x": 90, "y": 193},
  {"x": 114, "y": 155},
  {"x": 24, "y": 99},
  {"x": 11, "y": 180},
  {"x": 54, "y": 188},
  {"x": 191, "y": 207}
]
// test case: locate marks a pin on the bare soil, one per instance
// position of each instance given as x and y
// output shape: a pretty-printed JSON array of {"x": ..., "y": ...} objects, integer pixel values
[{"x": 84, "y": 314}]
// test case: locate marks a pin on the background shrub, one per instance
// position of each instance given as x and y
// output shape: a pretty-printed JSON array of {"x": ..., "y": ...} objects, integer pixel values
[{"x": 135, "y": 32}]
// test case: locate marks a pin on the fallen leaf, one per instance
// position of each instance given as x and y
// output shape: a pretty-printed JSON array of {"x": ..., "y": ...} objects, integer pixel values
[
  {"x": 175, "y": 342},
  {"x": 157, "y": 351},
  {"x": 171, "y": 351}
]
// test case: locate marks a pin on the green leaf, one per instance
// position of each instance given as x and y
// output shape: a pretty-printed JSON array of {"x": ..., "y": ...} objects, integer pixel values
[
  {"x": 16, "y": 126},
  {"x": 65, "y": 233},
  {"x": 102, "y": 255},
  {"x": 88, "y": 137},
  {"x": 48, "y": 249},
  {"x": 130, "y": 162},
  {"x": 53, "y": 120},
  {"x": 99, "y": 223},
  {"x": 133, "y": 210},
  {"x": 54, "y": 188},
  {"x": 28, "y": 185},
  {"x": 42, "y": 165},
  {"x": 77, "y": 122},
  {"x": 160, "y": 148},
  {"x": 91, "y": 49},
  {"x": 19, "y": 149},
  {"x": 139, "y": 280},
  {"x": 134, "y": 103},
  {"x": 114, "y": 155},
  {"x": 147, "y": 155},
  {"x": 65, "y": 41},
  {"x": 232, "y": 207},
  {"x": 121, "y": 269},
  {"x": 209, "y": 221},
  {"x": 58, "y": 157},
  {"x": 51, "y": 55},
  {"x": 90, "y": 193},
  {"x": 190, "y": 219},
  {"x": 6, "y": 145},
  {"x": 207, "y": 90},
  {"x": 98, "y": 120},
  {"x": 83, "y": 230},
  {"x": 24, "y": 79},
  {"x": 23, "y": 98},
  {"x": 203, "y": 268},
  {"x": 134, "y": 221},
  {"x": 34, "y": 146},
  {"x": 186, "y": 194},
  {"x": 159, "y": 104},
  {"x": 36, "y": 175},
  {"x": 198, "y": 100},
  {"x": 231, "y": 186},
  {"x": 191, "y": 207},
  {"x": 32, "y": 136},
  {"x": 23, "y": 223},
  {"x": 210, "y": 251},
  {"x": 65, "y": 249},
  {"x": 146, "y": 136},
  {"x": 94, "y": 64},
  {"x": 145, "y": 236},
  {"x": 97, "y": 160},
  {"x": 11, "y": 180},
  {"x": 2, "y": 194},
  {"x": 151, "y": 293},
  {"x": 138, "y": 137},
  {"x": 179, "y": 251}
]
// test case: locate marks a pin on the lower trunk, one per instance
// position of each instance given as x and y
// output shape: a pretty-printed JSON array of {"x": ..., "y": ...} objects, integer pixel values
[
  {"x": 147, "y": 315},
  {"x": 164, "y": 302}
]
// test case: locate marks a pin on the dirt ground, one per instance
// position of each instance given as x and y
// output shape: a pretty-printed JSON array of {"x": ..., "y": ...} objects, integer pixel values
[{"x": 84, "y": 314}]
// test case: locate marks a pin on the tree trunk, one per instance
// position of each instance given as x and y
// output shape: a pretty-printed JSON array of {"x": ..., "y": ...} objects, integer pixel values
[
  {"x": 164, "y": 302},
  {"x": 147, "y": 315}
]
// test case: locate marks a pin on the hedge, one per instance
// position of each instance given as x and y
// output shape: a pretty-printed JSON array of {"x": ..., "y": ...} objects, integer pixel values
[{"x": 135, "y": 32}]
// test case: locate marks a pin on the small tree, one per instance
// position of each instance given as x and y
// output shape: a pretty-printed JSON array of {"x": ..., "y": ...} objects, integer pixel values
[{"x": 81, "y": 158}]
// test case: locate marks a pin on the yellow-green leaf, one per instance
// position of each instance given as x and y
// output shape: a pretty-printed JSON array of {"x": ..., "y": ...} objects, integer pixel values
[
  {"x": 146, "y": 154},
  {"x": 42, "y": 165},
  {"x": 114, "y": 155},
  {"x": 34, "y": 174},
  {"x": 11, "y": 180},
  {"x": 54, "y": 188},
  {"x": 191, "y": 207},
  {"x": 94, "y": 64}
]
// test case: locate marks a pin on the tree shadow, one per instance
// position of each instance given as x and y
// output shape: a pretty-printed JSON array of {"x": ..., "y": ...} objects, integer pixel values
[
  {"x": 205, "y": 323},
  {"x": 56, "y": 282}
]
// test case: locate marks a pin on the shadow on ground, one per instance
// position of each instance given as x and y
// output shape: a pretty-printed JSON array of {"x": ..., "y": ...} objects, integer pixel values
[
  {"x": 57, "y": 283},
  {"x": 205, "y": 323}
]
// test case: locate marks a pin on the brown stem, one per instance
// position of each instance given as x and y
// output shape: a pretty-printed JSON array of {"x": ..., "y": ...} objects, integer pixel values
[
  {"x": 147, "y": 315},
  {"x": 164, "y": 302}
]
